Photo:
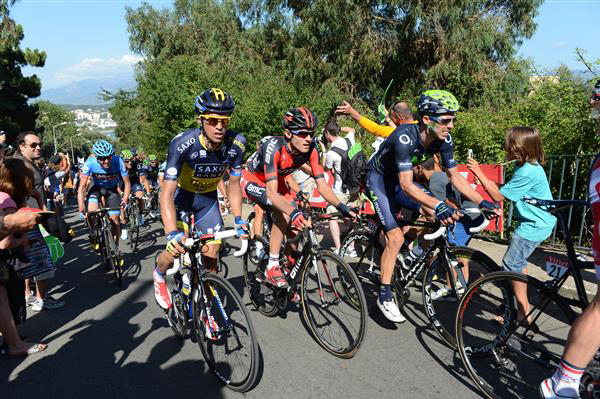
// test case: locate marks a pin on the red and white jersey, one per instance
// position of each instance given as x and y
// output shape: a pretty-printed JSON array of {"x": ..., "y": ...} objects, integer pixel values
[{"x": 594, "y": 195}]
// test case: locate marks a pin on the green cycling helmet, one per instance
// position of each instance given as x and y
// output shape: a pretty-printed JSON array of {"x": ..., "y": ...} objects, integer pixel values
[
  {"x": 437, "y": 102},
  {"x": 151, "y": 157},
  {"x": 127, "y": 154}
]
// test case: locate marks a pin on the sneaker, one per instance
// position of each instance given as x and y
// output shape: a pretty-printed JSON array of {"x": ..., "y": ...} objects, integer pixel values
[
  {"x": 161, "y": 292},
  {"x": 546, "y": 390},
  {"x": 275, "y": 277},
  {"x": 444, "y": 294},
  {"x": 390, "y": 311},
  {"x": 211, "y": 328},
  {"x": 152, "y": 215},
  {"x": 48, "y": 303},
  {"x": 124, "y": 234},
  {"x": 30, "y": 300},
  {"x": 350, "y": 253}
]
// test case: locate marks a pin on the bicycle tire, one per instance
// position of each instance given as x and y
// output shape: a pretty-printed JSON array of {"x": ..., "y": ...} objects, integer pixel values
[
  {"x": 352, "y": 318},
  {"x": 134, "y": 228},
  {"x": 261, "y": 295},
  {"x": 177, "y": 316},
  {"x": 113, "y": 256},
  {"x": 234, "y": 322},
  {"x": 501, "y": 357},
  {"x": 440, "y": 311}
]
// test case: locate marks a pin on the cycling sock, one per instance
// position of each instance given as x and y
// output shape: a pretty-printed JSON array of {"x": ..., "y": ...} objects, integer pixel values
[
  {"x": 566, "y": 378},
  {"x": 385, "y": 294},
  {"x": 159, "y": 276},
  {"x": 273, "y": 261}
]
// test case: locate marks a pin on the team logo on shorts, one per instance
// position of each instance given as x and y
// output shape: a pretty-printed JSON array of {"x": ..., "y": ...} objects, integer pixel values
[{"x": 172, "y": 171}]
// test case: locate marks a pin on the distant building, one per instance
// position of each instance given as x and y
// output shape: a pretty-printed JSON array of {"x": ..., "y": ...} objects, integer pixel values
[{"x": 93, "y": 119}]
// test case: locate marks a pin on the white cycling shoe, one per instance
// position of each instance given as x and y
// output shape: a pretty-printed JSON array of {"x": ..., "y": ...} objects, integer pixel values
[
  {"x": 547, "y": 391},
  {"x": 124, "y": 235},
  {"x": 390, "y": 311}
]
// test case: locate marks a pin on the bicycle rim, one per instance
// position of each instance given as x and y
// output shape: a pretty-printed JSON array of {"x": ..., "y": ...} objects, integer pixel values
[
  {"x": 261, "y": 295},
  {"x": 334, "y": 304},
  {"x": 440, "y": 308},
  {"x": 505, "y": 359},
  {"x": 232, "y": 350},
  {"x": 113, "y": 257}
]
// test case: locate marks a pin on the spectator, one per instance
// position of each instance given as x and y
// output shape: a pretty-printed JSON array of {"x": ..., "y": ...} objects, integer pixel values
[
  {"x": 58, "y": 168},
  {"x": 29, "y": 150},
  {"x": 339, "y": 147}
]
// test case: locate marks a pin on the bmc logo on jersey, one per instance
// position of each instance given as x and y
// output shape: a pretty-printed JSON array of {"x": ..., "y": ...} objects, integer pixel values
[
  {"x": 270, "y": 149},
  {"x": 183, "y": 146},
  {"x": 209, "y": 170}
]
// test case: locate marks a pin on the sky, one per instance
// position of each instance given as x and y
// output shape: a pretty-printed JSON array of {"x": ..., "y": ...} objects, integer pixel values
[{"x": 87, "y": 39}]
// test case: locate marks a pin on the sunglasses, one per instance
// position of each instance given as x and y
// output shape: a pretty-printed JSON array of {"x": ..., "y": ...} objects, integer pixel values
[
  {"x": 302, "y": 133},
  {"x": 212, "y": 121},
  {"x": 443, "y": 121},
  {"x": 128, "y": 161},
  {"x": 34, "y": 145},
  {"x": 101, "y": 159}
]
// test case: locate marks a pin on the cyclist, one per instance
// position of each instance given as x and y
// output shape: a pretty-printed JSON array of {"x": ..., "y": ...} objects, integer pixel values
[
  {"x": 197, "y": 160},
  {"x": 584, "y": 338},
  {"x": 106, "y": 170},
  {"x": 137, "y": 177},
  {"x": 266, "y": 173},
  {"x": 151, "y": 172},
  {"x": 390, "y": 183}
]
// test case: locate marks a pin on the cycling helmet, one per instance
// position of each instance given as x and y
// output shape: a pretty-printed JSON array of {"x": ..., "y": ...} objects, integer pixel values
[
  {"x": 151, "y": 157},
  {"x": 437, "y": 102},
  {"x": 300, "y": 120},
  {"x": 214, "y": 101},
  {"x": 103, "y": 148},
  {"x": 126, "y": 154}
]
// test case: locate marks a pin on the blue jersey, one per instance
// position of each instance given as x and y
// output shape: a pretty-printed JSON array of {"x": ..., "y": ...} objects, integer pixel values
[
  {"x": 197, "y": 169},
  {"x": 403, "y": 148},
  {"x": 106, "y": 178}
]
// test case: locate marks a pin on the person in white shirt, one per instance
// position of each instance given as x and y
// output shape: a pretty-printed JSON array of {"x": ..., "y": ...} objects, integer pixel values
[{"x": 333, "y": 162}]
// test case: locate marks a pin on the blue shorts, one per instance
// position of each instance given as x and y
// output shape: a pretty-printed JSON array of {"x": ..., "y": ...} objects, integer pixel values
[
  {"x": 519, "y": 249},
  {"x": 459, "y": 235},
  {"x": 389, "y": 199},
  {"x": 136, "y": 188},
  {"x": 204, "y": 207}
]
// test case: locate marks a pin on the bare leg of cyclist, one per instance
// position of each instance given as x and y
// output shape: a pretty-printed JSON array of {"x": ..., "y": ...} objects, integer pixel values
[
  {"x": 116, "y": 227},
  {"x": 582, "y": 344},
  {"x": 386, "y": 303},
  {"x": 334, "y": 228},
  {"x": 209, "y": 256},
  {"x": 257, "y": 223},
  {"x": 274, "y": 273}
]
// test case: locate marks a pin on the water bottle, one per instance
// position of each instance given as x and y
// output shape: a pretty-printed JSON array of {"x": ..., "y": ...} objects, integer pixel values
[
  {"x": 412, "y": 256},
  {"x": 186, "y": 287}
]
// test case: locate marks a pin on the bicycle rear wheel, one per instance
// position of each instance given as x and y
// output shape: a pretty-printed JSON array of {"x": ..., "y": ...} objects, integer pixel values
[
  {"x": 261, "y": 295},
  {"x": 228, "y": 343},
  {"x": 333, "y": 304},
  {"x": 504, "y": 358},
  {"x": 439, "y": 300}
]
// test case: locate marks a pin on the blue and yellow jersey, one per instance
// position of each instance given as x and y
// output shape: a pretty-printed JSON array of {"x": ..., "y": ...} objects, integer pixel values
[{"x": 198, "y": 170}]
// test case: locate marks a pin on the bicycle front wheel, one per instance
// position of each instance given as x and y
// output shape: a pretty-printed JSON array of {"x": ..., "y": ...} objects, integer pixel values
[
  {"x": 333, "y": 304},
  {"x": 113, "y": 257},
  {"x": 132, "y": 224},
  {"x": 439, "y": 299},
  {"x": 506, "y": 358},
  {"x": 225, "y": 333}
]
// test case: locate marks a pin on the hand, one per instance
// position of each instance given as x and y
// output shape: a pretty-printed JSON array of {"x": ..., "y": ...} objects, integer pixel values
[
  {"x": 174, "y": 241},
  {"x": 474, "y": 167},
  {"x": 344, "y": 210},
  {"x": 124, "y": 202},
  {"x": 347, "y": 109},
  {"x": 492, "y": 206},
  {"x": 21, "y": 221},
  {"x": 446, "y": 214},
  {"x": 226, "y": 202},
  {"x": 241, "y": 226},
  {"x": 299, "y": 220}
]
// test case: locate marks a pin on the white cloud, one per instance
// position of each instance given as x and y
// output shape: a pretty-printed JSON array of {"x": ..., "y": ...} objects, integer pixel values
[{"x": 99, "y": 68}]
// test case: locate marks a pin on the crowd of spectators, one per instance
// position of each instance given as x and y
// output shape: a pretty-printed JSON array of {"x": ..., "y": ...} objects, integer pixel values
[{"x": 26, "y": 182}]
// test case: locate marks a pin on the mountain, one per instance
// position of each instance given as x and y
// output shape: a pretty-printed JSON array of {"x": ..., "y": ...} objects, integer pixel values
[{"x": 86, "y": 91}]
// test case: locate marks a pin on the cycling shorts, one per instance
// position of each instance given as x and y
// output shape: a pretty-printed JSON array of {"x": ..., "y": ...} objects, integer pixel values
[
  {"x": 256, "y": 190},
  {"x": 112, "y": 199},
  {"x": 389, "y": 199},
  {"x": 204, "y": 207},
  {"x": 136, "y": 188}
]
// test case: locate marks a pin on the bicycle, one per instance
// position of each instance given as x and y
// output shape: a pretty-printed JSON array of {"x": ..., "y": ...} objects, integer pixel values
[
  {"x": 440, "y": 293},
  {"x": 331, "y": 295},
  {"x": 109, "y": 250},
  {"x": 211, "y": 307},
  {"x": 508, "y": 358},
  {"x": 132, "y": 215}
]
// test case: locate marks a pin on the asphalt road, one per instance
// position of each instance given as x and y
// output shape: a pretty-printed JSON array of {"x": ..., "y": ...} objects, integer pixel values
[{"x": 111, "y": 342}]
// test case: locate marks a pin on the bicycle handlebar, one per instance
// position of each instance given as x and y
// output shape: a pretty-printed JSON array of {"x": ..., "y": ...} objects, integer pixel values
[
  {"x": 486, "y": 213},
  {"x": 221, "y": 235},
  {"x": 432, "y": 236},
  {"x": 103, "y": 210}
]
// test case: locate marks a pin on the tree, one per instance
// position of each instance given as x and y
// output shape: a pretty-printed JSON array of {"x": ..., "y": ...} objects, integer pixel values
[{"x": 16, "y": 114}]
